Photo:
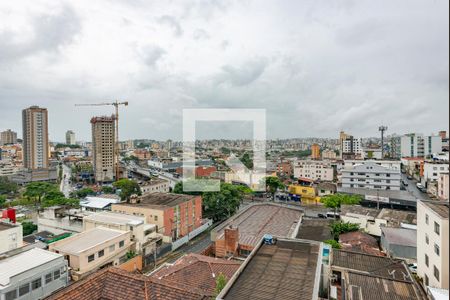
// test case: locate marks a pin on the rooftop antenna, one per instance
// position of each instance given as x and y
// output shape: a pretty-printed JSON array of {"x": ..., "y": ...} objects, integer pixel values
[{"x": 382, "y": 128}]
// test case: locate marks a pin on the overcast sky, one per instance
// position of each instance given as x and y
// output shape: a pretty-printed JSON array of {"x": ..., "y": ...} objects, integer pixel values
[{"x": 316, "y": 66}]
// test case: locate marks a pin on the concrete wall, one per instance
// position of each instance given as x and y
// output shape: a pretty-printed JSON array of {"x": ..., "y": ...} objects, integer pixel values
[{"x": 11, "y": 238}]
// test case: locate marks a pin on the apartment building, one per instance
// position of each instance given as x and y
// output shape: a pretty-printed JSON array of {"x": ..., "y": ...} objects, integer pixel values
[
  {"x": 93, "y": 249},
  {"x": 155, "y": 186},
  {"x": 284, "y": 169},
  {"x": 8, "y": 137},
  {"x": 175, "y": 215},
  {"x": 32, "y": 274},
  {"x": 328, "y": 154},
  {"x": 432, "y": 243},
  {"x": 103, "y": 147},
  {"x": 315, "y": 151},
  {"x": 144, "y": 235},
  {"x": 418, "y": 145},
  {"x": 351, "y": 147},
  {"x": 70, "y": 137},
  {"x": 314, "y": 170},
  {"x": 35, "y": 138},
  {"x": 10, "y": 236},
  {"x": 371, "y": 175},
  {"x": 443, "y": 186},
  {"x": 432, "y": 171}
]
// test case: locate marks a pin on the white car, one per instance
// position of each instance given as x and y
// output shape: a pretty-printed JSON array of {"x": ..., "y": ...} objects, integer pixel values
[{"x": 413, "y": 268}]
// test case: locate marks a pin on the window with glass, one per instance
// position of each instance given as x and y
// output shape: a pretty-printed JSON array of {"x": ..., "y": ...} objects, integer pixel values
[
  {"x": 427, "y": 219},
  {"x": 91, "y": 257},
  {"x": 24, "y": 289},
  {"x": 11, "y": 295},
  {"x": 35, "y": 284},
  {"x": 437, "y": 250},
  {"x": 436, "y": 273},
  {"x": 101, "y": 253},
  {"x": 437, "y": 228},
  {"x": 57, "y": 274},
  {"x": 427, "y": 261},
  {"x": 112, "y": 248},
  {"x": 121, "y": 244},
  {"x": 48, "y": 278},
  {"x": 427, "y": 239}
]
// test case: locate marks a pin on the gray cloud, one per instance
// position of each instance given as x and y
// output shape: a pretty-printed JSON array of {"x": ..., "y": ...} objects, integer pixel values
[
  {"x": 172, "y": 23},
  {"x": 242, "y": 75}
]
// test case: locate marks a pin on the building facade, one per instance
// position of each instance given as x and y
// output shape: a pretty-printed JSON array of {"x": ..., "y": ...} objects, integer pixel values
[
  {"x": 432, "y": 243},
  {"x": 432, "y": 171},
  {"x": 10, "y": 236},
  {"x": 371, "y": 175},
  {"x": 315, "y": 170},
  {"x": 155, "y": 186},
  {"x": 417, "y": 145},
  {"x": 103, "y": 147},
  {"x": 70, "y": 137},
  {"x": 8, "y": 137},
  {"x": 443, "y": 186},
  {"x": 352, "y": 147},
  {"x": 315, "y": 151},
  {"x": 35, "y": 138},
  {"x": 32, "y": 274}
]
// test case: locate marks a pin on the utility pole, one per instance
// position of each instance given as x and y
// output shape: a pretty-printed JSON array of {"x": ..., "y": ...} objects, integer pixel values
[{"x": 382, "y": 128}]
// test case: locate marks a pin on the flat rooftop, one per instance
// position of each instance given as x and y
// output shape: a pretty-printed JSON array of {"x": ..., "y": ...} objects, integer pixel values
[
  {"x": 115, "y": 218},
  {"x": 359, "y": 210},
  {"x": 400, "y": 236},
  {"x": 441, "y": 208},
  {"x": 315, "y": 230},
  {"x": 286, "y": 270},
  {"x": 23, "y": 262},
  {"x": 6, "y": 226},
  {"x": 391, "y": 194},
  {"x": 259, "y": 219},
  {"x": 85, "y": 240},
  {"x": 160, "y": 200}
]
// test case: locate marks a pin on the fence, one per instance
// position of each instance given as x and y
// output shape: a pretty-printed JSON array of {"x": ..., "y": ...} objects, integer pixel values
[{"x": 184, "y": 240}]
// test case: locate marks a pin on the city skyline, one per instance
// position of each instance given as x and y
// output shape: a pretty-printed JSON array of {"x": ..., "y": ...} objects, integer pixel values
[{"x": 317, "y": 68}]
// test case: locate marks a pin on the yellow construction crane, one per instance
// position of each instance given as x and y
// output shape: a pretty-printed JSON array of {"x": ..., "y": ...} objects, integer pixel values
[{"x": 116, "y": 105}]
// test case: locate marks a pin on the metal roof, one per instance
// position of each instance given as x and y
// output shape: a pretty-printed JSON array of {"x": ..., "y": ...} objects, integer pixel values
[
  {"x": 23, "y": 262},
  {"x": 97, "y": 202},
  {"x": 115, "y": 218}
]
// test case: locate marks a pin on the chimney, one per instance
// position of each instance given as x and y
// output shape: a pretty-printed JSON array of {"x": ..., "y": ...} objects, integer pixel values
[{"x": 231, "y": 240}]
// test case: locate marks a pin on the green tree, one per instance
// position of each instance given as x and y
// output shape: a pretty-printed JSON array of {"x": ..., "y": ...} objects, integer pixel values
[
  {"x": 247, "y": 160},
  {"x": 335, "y": 201},
  {"x": 273, "y": 184},
  {"x": 38, "y": 190},
  {"x": 337, "y": 228},
  {"x": 28, "y": 228},
  {"x": 127, "y": 188},
  {"x": 221, "y": 282},
  {"x": 2, "y": 201},
  {"x": 222, "y": 204},
  {"x": 82, "y": 193},
  {"x": 7, "y": 187},
  {"x": 107, "y": 189},
  {"x": 333, "y": 243}
]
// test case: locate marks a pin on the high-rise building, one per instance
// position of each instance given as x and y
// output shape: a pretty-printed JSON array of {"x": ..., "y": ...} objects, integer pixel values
[
  {"x": 351, "y": 147},
  {"x": 35, "y": 138},
  {"x": 70, "y": 137},
  {"x": 315, "y": 151},
  {"x": 8, "y": 137},
  {"x": 417, "y": 145},
  {"x": 103, "y": 143},
  {"x": 443, "y": 134}
]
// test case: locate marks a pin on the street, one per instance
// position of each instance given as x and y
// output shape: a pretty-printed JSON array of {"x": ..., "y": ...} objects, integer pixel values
[
  {"x": 65, "y": 186},
  {"x": 412, "y": 188}
]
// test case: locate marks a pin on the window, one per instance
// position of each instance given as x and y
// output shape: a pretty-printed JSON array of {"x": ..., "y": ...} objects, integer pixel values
[
  {"x": 56, "y": 274},
  {"x": 121, "y": 244},
  {"x": 48, "y": 278},
  {"x": 112, "y": 248},
  {"x": 437, "y": 228},
  {"x": 427, "y": 281},
  {"x": 427, "y": 240},
  {"x": 91, "y": 257},
  {"x": 427, "y": 219},
  {"x": 24, "y": 289},
  {"x": 426, "y": 260},
  {"x": 11, "y": 295},
  {"x": 437, "y": 250},
  {"x": 436, "y": 273},
  {"x": 101, "y": 253},
  {"x": 37, "y": 283},
  {"x": 156, "y": 218}
]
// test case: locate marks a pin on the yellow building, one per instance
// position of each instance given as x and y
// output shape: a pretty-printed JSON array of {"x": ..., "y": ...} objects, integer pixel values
[
  {"x": 315, "y": 151},
  {"x": 307, "y": 193}
]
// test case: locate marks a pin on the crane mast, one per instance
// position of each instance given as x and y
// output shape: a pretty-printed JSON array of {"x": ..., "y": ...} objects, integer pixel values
[{"x": 116, "y": 150}]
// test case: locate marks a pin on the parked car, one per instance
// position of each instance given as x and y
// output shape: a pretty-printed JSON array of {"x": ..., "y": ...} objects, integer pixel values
[
  {"x": 404, "y": 183},
  {"x": 409, "y": 177},
  {"x": 321, "y": 216},
  {"x": 413, "y": 268}
]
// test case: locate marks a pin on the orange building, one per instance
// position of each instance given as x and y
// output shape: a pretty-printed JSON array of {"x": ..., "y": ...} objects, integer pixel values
[{"x": 315, "y": 151}]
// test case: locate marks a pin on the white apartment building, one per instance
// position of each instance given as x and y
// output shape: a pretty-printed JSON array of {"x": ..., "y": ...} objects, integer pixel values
[
  {"x": 432, "y": 243},
  {"x": 314, "y": 170},
  {"x": 35, "y": 138},
  {"x": 32, "y": 274},
  {"x": 390, "y": 164},
  {"x": 10, "y": 236},
  {"x": 443, "y": 186},
  {"x": 370, "y": 174},
  {"x": 352, "y": 146},
  {"x": 8, "y": 137},
  {"x": 328, "y": 154},
  {"x": 155, "y": 186},
  {"x": 103, "y": 147},
  {"x": 432, "y": 171},
  {"x": 70, "y": 137},
  {"x": 417, "y": 145}
]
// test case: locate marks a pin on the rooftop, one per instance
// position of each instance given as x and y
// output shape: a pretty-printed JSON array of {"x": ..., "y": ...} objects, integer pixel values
[
  {"x": 392, "y": 194},
  {"x": 285, "y": 270},
  {"x": 441, "y": 208},
  {"x": 398, "y": 216},
  {"x": 400, "y": 236},
  {"x": 24, "y": 261},
  {"x": 361, "y": 242},
  {"x": 117, "y": 284},
  {"x": 115, "y": 218},
  {"x": 315, "y": 230},
  {"x": 197, "y": 271},
  {"x": 359, "y": 210},
  {"x": 6, "y": 226},
  {"x": 259, "y": 219},
  {"x": 160, "y": 200},
  {"x": 87, "y": 239}
]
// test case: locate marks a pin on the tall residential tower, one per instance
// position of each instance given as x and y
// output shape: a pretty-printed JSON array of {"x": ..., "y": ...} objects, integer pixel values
[
  {"x": 70, "y": 137},
  {"x": 35, "y": 138},
  {"x": 103, "y": 143}
]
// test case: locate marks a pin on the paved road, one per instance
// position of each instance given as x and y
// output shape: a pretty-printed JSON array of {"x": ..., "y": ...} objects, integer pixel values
[
  {"x": 65, "y": 186},
  {"x": 197, "y": 245},
  {"x": 412, "y": 188}
]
